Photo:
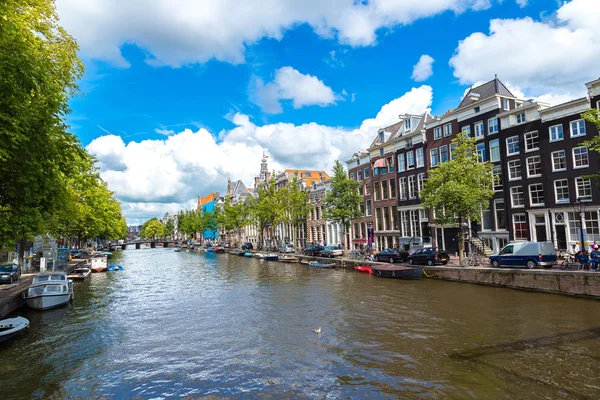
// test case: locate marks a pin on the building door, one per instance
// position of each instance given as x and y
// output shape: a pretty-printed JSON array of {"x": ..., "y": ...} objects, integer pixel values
[
  {"x": 540, "y": 228},
  {"x": 561, "y": 237}
]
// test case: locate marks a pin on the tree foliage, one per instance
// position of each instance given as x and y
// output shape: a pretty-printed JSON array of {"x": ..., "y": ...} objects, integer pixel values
[
  {"x": 266, "y": 209},
  {"x": 169, "y": 228},
  {"x": 342, "y": 203},
  {"x": 154, "y": 229},
  {"x": 458, "y": 189},
  {"x": 295, "y": 204},
  {"x": 593, "y": 116}
]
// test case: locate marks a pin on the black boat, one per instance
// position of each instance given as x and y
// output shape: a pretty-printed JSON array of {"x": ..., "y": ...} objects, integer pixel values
[{"x": 397, "y": 271}]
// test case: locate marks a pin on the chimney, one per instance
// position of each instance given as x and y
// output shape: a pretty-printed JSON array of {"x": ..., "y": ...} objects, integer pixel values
[{"x": 268, "y": 176}]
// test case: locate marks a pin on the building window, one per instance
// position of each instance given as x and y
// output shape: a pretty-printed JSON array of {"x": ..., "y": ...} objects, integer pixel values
[
  {"x": 384, "y": 190},
  {"x": 360, "y": 190},
  {"x": 556, "y": 133},
  {"x": 479, "y": 130},
  {"x": 520, "y": 226},
  {"x": 377, "y": 191},
  {"x": 392, "y": 188},
  {"x": 591, "y": 226},
  {"x": 404, "y": 223},
  {"x": 410, "y": 160},
  {"x": 402, "y": 189},
  {"x": 367, "y": 189},
  {"x": 578, "y": 128},
  {"x": 383, "y": 170},
  {"x": 584, "y": 189},
  {"x": 366, "y": 173},
  {"x": 420, "y": 182},
  {"x": 467, "y": 130},
  {"x": 520, "y": 118},
  {"x": 517, "y": 197},
  {"x": 559, "y": 161},
  {"x": 481, "y": 152},
  {"x": 452, "y": 147},
  {"x": 420, "y": 158},
  {"x": 401, "y": 165},
  {"x": 375, "y": 171},
  {"x": 368, "y": 208},
  {"x": 500, "y": 214},
  {"x": 437, "y": 133},
  {"x": 494, "y": 150},
  {"x": 359, "y": 176},
  {"x": 477, "y": 109},
  {"x": 352, "y": 176},
  {"x": 414, "y": 222},
  {"x": 444, "y": 153},
  {"x": 512, "y": 145},
  {"x": 412, "y": 189},
  {"x": 379, "y": 222},
  {"x": 434, "y": 157},
  {"x": 390, "y": 162},
  {"x": 514, "y": 170},
  {"x": 580, "y": 157},
  {"x": 381, "y": 152},
  {"x": 486, "y": 220},
  {"x": 536, "y": 194},
  {"x": 447, "y": 130},
  {"x": 492, "y": 125},
  {"x": 561, "y": 190},
  {"x": 497, "y": 174},
  {"x": 407, "y": 124},
  {"x": 534, "y": 167},
  {"x": 532, "y": 141},
  {"x": 505, "y": 104}
]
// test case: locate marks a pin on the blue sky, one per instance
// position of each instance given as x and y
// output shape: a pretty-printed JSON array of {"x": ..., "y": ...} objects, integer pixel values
[{"x": 195, "y": 90}]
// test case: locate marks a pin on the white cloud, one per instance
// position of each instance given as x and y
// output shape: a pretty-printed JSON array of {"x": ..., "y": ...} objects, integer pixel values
[
  {"x": 289, "y": 84},
  {"x": 155, "y": 176},
  {"x": 181, "y": 32},
  {"x": 538, "y": 57},
  {"x": 522, "y": 3},
  {"x": 166, "y": 132},
  {"x": 423, "y": 69}
]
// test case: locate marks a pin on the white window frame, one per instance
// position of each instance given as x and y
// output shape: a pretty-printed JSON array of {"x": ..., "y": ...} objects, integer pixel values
[
  {"x": 512, "y": 197},
  {"x": 500, "y": 186},
  {"x": 577, "y": 121},
  {"x": 447, "y": 152},
  {"x": 550, "y": 133},
  {"x": 420, "y": 182},
  {"x": 539, "y": 162},
  {"x": 447, "y": 132},
  {"x": 588, "y": 157},
  {"x": 490, "y": 132},
  {"x": 505, "y": 104},
  {"x": 412, "y": 187},
  {"x": 556, "y": 199},
  {"x": 437, "y": 133},
  {"x": 402, "y": 189},
  {"x": 534, "y": 135},
  {"x": 480, "y": 148},
  {"x": 410, "y": 155},
  {"x": 401, "y": 163},
  {"x": 451, "y": 147},
  {"x": 497, "y": 142},
  {"x": 420, "y": 157},
  {"x": 524, "y": 117},
  {"x": 466, "y": 128},
  {"x": 564, "y": 158},
  {"x": 588, "y": 187},
  {"x": 522, "y": 219},
  {"x": 431, "y": 151},
  {"x": 531, "y": 195},
  {"x": 508, "y": 153},
  {"x": 481, "y": 133},
  {"x": 508, "y": 168}
]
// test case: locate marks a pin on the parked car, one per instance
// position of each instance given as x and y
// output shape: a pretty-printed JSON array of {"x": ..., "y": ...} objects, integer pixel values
[
  {"x": 247, "y": 246},
  {"x": 528, "y": 254},
  {"x": 331, "y": 251},
  {"x": 429, "y": 256},
  {"x": 313, "y": 250},
  {"x": 391, "y": 255},
  {"x": 287, "y": 248},
  {"x": 9, "y": 272}
]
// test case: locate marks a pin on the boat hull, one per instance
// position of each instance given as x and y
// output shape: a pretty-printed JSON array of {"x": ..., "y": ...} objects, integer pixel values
[
  {"x": 364, "y": 268},
  {"x": 48, "y": 301},
  {"x": 399, "y": 272},
  {"x": 271, "y": 258},
  {"x": 12, "y": 326}
]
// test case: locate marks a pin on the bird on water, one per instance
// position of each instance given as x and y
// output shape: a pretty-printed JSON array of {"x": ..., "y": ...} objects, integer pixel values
[{"x": 318, "y": 330}]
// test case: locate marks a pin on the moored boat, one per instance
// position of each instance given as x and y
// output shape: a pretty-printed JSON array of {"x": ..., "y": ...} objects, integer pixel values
[
  {"x": 12, "y": 326},
  {"x": 80, "y": 274},
  {"x": 271, "y": 257},
  {"x": 364, "y": 268},
  {"x": 115, "y": 268},
  {"x": 219, "y": 249},
  {"x": 397, "y": 271},
  {"x": 288, "y": 258},
  {"x": 108, "y": 254},
  {"x": 258, "y": 255},
  {"x": 241, "y": 253},
  {"x": 320, "y": 265},
  {"x": 177, "y": 249},
  {"x": 99, "y": 264},
  {"x": 247, "y": 254},
  {"x": 210, "y": 249},
  {"x": 49, "y": 290}
]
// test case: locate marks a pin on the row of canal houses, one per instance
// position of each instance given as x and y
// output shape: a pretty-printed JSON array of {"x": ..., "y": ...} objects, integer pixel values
[
  {"x": 315, "y": 230},
  {"x": 537, "y": 153}
]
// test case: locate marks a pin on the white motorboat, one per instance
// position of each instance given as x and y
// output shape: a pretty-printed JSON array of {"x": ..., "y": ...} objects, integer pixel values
[
  {"x": 11, "y": 326},
  {"x": 49, "y": 290},
  {"x": 80, "y": 274}
]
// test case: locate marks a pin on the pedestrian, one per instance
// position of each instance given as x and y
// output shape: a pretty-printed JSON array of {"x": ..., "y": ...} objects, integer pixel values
[{"x": 595, "y": 245}]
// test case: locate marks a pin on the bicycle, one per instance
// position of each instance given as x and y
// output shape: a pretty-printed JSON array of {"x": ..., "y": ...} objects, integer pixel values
[
  {"x": 574, "y": 263},
  {"x": 472, "y": 260}
]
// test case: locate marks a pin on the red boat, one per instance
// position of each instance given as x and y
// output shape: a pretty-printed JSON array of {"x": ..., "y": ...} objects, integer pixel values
[{"x": 364, "y": 268}]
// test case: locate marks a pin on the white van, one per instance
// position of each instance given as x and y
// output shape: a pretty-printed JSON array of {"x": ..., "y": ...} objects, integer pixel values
[{"x": 529, "y": 254}]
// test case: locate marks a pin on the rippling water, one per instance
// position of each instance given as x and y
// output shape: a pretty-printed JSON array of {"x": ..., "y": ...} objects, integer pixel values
[{"x": 196, "y": 325}]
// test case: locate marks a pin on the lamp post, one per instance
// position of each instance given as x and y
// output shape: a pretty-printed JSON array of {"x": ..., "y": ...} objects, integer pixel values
[{"x": 579, "y": 207}]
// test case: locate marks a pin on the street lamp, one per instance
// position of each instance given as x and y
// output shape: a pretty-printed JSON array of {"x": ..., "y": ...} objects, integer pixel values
[{"x": 579, "y": 207}]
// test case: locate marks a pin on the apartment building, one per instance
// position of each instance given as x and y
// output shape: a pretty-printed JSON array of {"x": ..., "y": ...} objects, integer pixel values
[{"x": 361, "y": 229}]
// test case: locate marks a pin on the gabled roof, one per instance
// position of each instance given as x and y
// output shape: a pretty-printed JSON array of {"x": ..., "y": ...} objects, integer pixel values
[
  {"x": 485, "y": 91},
  {"x": 392, "y": 130}
]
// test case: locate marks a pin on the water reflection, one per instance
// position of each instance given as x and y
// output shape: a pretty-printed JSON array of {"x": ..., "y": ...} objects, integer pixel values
[{"x": 191, "y": 324}]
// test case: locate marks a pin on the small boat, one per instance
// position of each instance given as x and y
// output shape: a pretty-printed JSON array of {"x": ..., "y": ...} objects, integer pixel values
[
  {"x": 240, "y": 253},
  {"x": 115, "y": 268},
  {"x": 363, "y": 268},
  {"x": 80, "y": 274},
  {"x": 177, "y": 249},
  {"x": 108, "y": 254},
  {"x": 49, "y": 290},
  {"x": 99, "y": 264},
  {"x": 219, "y": 249},
  {"x": 397, "y": 271},
  {"x": 320, "y": 265},
  {"x": 210, "y": 249},
  {"x": 271, "y": 257},
  {"x": 11, "y": 326},
  {"x": 258, "y": 255},
  {"x": 247, "y": 254},
  {"x": 288, "y": 258}
]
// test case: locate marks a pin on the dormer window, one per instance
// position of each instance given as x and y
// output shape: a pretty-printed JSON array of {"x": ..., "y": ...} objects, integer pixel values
[
  {"x": 505, "y": 104},
  {"x": 520, "y": 118},
  {"x": 381, "y": 137},
  {"x": 407, "y": 124},
  {"x": 477, "y": 109},
  {"x": 357, "y": 162}
]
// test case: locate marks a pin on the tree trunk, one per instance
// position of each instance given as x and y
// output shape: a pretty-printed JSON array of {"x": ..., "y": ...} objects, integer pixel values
[
  {"x": 461, "y": 241},
  {"x": 21, "y": 252}
]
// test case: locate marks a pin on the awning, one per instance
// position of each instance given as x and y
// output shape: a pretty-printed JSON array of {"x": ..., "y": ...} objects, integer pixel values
[
  {"x": 379, "y": 163},
  {"x": 360, "y": 240}
]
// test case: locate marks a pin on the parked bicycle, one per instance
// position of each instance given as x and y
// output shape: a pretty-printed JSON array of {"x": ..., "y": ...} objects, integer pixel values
[
  {"x": 575, "y": 262},
  {"x": 473, "y": 260}
]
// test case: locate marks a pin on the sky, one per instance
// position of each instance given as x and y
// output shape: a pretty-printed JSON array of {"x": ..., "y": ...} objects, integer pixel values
[{"x": 181, "y": 95}]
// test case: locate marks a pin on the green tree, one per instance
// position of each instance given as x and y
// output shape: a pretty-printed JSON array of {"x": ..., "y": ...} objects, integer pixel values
[
  {"x": 266, "y": 210},
  {"x": 295, "y": 204},
  {"x": 169, "y": 228},
  {"x": 154, "y": 229},
  {"x": 342, "y": 203},
  {"x": 593, "y": 116},
  {"x": 457, "y": 190},
  {"x": 38, "y": 74}
]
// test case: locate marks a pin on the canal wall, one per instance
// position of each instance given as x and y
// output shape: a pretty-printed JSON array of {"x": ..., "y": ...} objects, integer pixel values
[{"x": 573, "y": 283}]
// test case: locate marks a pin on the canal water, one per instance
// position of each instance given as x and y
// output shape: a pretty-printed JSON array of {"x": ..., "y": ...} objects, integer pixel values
[{"x": 203, "y": 325}]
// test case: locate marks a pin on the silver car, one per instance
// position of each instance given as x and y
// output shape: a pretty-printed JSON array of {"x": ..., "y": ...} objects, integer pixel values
[{"x": 331, "y": 252}]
